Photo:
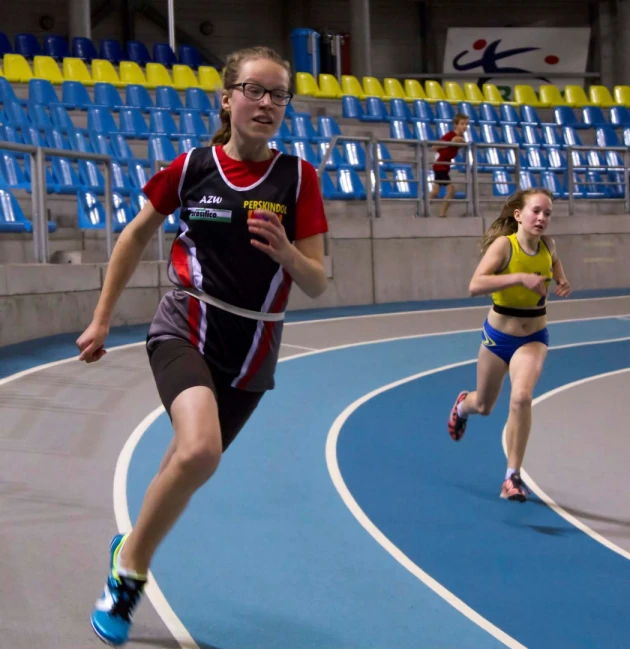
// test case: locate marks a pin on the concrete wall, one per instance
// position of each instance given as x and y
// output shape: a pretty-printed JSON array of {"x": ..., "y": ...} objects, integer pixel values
[{"x": 390, "y": 260}]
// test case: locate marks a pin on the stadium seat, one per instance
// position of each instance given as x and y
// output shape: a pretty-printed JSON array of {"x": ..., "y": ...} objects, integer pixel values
[
  {"x": 620, "y": 116},
  {"x": 197, "y": 99},
  {"x": 74, "y": 69},
  {"x": 161, "y": 121},
  {"x": 453, "y": 92},
  {"x": 327, "y": 127},
  {"x": 104, "y": 72},
  {"x": 5, "y": 45},
  {"x": 351, "y": 107},
  {"x": 306, "y": 85},
  {"x": 492, "y": 94},
  {"x": 160, "y": 148},
  {"x": 111, "y": 51},
  {"x": 600, "y": 96},
  {"x": 575, "y": 96},
  {"x": 375, "y": 110},
  {"x": 74, "y": 95},
  {"x": 622, "y": 94},
  {"x": 209, "y": 78},
  {"x": 189, "y": 55},
  {"x": 350, "y": 86},
  {"x": 190, "y": 123},
  {"x": 27, "y": 45},
  {"x": 138, "y": 53},
  {"x": 162, "y": 53},
  {"x": 329, "y": 87},
  {"x": 55, "y": 47},
  {"x": 132, "y": 123},
  {"x": 565, "y": 116},
  {"x": 41, "y": 91},
  {"x": 524, "y": 94},
  {"x": 302, "y": 149},
  {"x": 348, "y": 187},
  {"x": 593, "y": 116},
  {"x": 12, "y": 217},
  {"x": 335, "y": 160},
  {"x": 107, "y": 95},
  {"x": 393, "y": 90},
  {"x": 414, "y": 89},
  {"x": 157, "y": 75},
  {"x": 184, "y": 77},
  {"x": 45, "y": 67},
  {"x": 130, "y": 72},
  {"x": 17, "y": 69},
  {"x": 399, "y": 109},
  {"x": 423, "y": 111},
  {"x": 167, "y": 97},
  {"x": 372, "y": 87},
  {"x": 473, "y": 93},
  {"x": 550, "y": 95},
  {"x": 434, "y": 91}
]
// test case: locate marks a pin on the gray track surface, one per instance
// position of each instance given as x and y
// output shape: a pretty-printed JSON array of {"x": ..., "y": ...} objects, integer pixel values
[{"x": 62, "y": 429}]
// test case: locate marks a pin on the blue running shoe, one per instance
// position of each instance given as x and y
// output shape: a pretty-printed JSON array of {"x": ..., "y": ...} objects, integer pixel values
[{"x": 112, "y": 614}]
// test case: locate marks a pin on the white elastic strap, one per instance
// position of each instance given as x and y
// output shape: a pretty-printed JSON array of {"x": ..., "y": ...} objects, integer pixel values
[{"x": 236, "y": 310}]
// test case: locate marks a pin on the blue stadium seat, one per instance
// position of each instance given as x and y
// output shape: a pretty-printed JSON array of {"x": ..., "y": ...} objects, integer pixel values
[
  {"x": 189, "y": 55},
  {"x": 41, "y": 91},
  {"x": 335, "y": 161},
  {"x": 11, "y": 172},
  {"x": 5, "y": 45},
  {"x": 122, "y": 150},
  {"x": 188, "y": 142},
  {"x": 190, "y": 123},
  {"x": 375, "y": 110},
  {"x": 120, "y": 181},
  {"x": 620, "y": 116},
  {"x": 570, "y": 137},
  {"x": 349, "y": 186},
  {"x": 550, "y": 180},
  {"x": 510, "y": 134},
  {"x": 488, "y": 113},
  {"x": 132, "y": 124},
  {"x": 403, "y": 183},
  {"x": 139, "y": 173},
  {"x": 495, "y": 159},
  {"x": 16, "y": 116},
  {"x": 83, "y": 48},
  {"x": 351, "y": 107},
  {"x": 167, "y": 97},
  {"x": 527, "y": 179},
  {"x": 33, "y": 136},
  {"x": 383, "y": 155},
  {"x": 423, "y": 111},
  {"x": 138, "y": 96},
  {"x": 537, "y": 159},
  {"x": 27, "y": 45},
  {"x": 56, "y": 47},
  {"x": 327, "y": 127},
  {"x": 91, "y": 176},
  {"x": 302, "y": 149},
  {"x": 162, "y": 53},
  {"x": 278, "y": 145},
  {"x": 197, "y": 99},
  {"x": 606, "y": 136},
  {"x": 509, "y": 114},
  {"x": 399, "y": 129},
  {"x": 92, "y": 213},
  {"x": 112, "y": 51},
  {"x": 80, "y": 142},
  {"x": 161, "y": 121},
  {"x": 466, "y": 108},
  {"x": 10, "y": 134},
  {"x": 443, "y": 127},
  {"x": 283, "y": 133},
  {"x": 65, "y": 176},
  {"x": 39, "y": 117},
  {"x": 138, "y": 53},
  {"x": 444, "y": 112},
  {"x": 550, "y": 134},
  {"x": 353, "y": 155},
  {"x": 7, "y": 94},
  {"x": 565, "y": 116},
  {"x": 214, "y": 122},
  {"x": 160, "y": 148},
  {"x": 107, "y": 95},
  {"x": 399, "y": 109},
  {"x": 502, "y": 184},
  {"x": 75, "y": 96},
  {"x": 424, "y": 131},
  {"x": 101, "y": 144},
  {"x": 592, "y": 116},
  {"x": 302, "y": 129},
  {"x": 531, "y": 135},
  {"x": 557, "y": 159},
  {"x": 12, "y": 217},
  {"x": 56, "y": 140},
  {"x": 63, "y": 121}
]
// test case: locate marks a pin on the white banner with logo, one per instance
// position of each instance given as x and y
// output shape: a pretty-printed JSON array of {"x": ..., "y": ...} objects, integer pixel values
[{"x": 501, "y": 51}]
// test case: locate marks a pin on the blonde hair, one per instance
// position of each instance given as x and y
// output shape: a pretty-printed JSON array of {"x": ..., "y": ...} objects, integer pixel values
[
  {"x": 506, "y": 223},
  {"x": 230, "y": 75}
]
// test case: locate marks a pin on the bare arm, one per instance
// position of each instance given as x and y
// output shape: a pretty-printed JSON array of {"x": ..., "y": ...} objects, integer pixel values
[
  {"x": 564, "y": 288},
  {"x": 124, "y": 261},
  {"x": 306, "y": 265}
]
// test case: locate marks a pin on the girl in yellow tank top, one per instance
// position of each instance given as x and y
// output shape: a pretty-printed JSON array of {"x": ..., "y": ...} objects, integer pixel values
[{"x": 517, "y": 267}]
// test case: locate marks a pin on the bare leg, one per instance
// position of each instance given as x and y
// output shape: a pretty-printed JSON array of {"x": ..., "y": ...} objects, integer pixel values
[
  {"x": 525, "y": 368},
  {"x": 491, "y": 371},
  {"x": 188, "y": 463},
  {"x": 450, "y": 192}
]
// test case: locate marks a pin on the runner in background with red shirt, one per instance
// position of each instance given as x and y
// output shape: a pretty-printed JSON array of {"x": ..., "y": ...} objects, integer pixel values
[{"x": 441, "y": 167}]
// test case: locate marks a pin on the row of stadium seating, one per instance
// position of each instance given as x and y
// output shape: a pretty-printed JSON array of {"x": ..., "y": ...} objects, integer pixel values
[
  {"x": 28, "y": 46},
  {"x": 548, "y": 95},
  {"x": 18, "y": 70}
]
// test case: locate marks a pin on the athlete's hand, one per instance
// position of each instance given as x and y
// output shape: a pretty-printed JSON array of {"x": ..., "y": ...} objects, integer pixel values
[
  {"x": 534, "y": 283},
  {"x": 458, "y": 138},
  {"x": 267, "y": 225},
  {"x": 563, "y": 289},
  {"x": 91, "y": 341}
]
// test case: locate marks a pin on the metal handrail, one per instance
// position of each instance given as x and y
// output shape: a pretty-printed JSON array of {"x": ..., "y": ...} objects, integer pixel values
[
  {"x": 39, "y": 193},
  {"x": 497, "y": 75}
]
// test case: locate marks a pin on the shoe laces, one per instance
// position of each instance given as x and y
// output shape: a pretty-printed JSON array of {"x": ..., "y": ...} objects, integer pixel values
[{"x": 127, "y": 594}]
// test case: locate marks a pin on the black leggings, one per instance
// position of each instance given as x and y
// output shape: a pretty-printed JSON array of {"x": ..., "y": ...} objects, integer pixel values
[{"x": 177, "y": 365}]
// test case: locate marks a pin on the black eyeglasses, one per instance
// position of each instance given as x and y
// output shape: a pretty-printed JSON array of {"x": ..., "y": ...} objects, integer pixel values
[{"x": 257, "y": 92}]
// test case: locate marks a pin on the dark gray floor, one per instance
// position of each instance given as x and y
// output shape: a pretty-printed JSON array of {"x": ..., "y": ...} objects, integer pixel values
[{"x": 62, "y": 429}]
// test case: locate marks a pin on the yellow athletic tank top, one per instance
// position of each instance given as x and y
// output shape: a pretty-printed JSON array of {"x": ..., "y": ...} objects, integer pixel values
[{"x": 519, "y": 297}]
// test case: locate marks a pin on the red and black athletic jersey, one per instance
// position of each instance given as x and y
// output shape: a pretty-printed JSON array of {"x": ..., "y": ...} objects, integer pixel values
[
  {"x": 447, "y": 153},
  {"x": 212, "y": 254}
]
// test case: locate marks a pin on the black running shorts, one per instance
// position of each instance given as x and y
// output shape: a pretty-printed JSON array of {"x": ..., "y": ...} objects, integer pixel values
[{"x": 177, "y": 365}]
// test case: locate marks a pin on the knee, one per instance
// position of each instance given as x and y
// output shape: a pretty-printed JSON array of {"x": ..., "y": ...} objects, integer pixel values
[
  {"x": 520, "y": 399},
  {"x": 197, "y": 461}
]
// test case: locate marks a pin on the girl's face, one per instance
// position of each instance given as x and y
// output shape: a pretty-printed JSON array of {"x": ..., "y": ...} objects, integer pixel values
[
  {"x": 535, "y": 215},
  {"x": 252, "y": 116}
]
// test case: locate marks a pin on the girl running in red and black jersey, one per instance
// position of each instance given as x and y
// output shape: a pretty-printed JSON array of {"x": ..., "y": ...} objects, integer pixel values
[{"x": 251, "y": 222}]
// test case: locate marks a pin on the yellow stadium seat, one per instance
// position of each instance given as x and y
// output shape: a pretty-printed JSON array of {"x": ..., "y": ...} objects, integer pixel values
[
  {"x": 329, "y": 87},
  {"x": 600, "y": 96},
  {"x": 305, "y": 84},
  {"x": 473, "y": 93},
  {"x": 184, "y": 77},
  {"x": 575, "y": 96},
  {"x": 434, "y": 91},
  {"x": 524, "y": 94},
  {"x": 17, "y": 69},
  {"x": 131, "y": 72},
  {"x": 209, "y": 78},
  {"x": 76, "y": 70},
  {"x": 414, "y": 89},
  {"x": 45, "y": 67},
  {"x": 453, "y": 91},
  {"x": 492, "y": 94},
  {"x": 394, "y": 90},
  {"x": 350, "y": 86},
  {"x": 157, "y": 75},
  {"x": 104, "y": 72},
  {"x": 622, "y": 94},
  {"x": 372, "y": 87},
  {"x": 551, "y": 96}
]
